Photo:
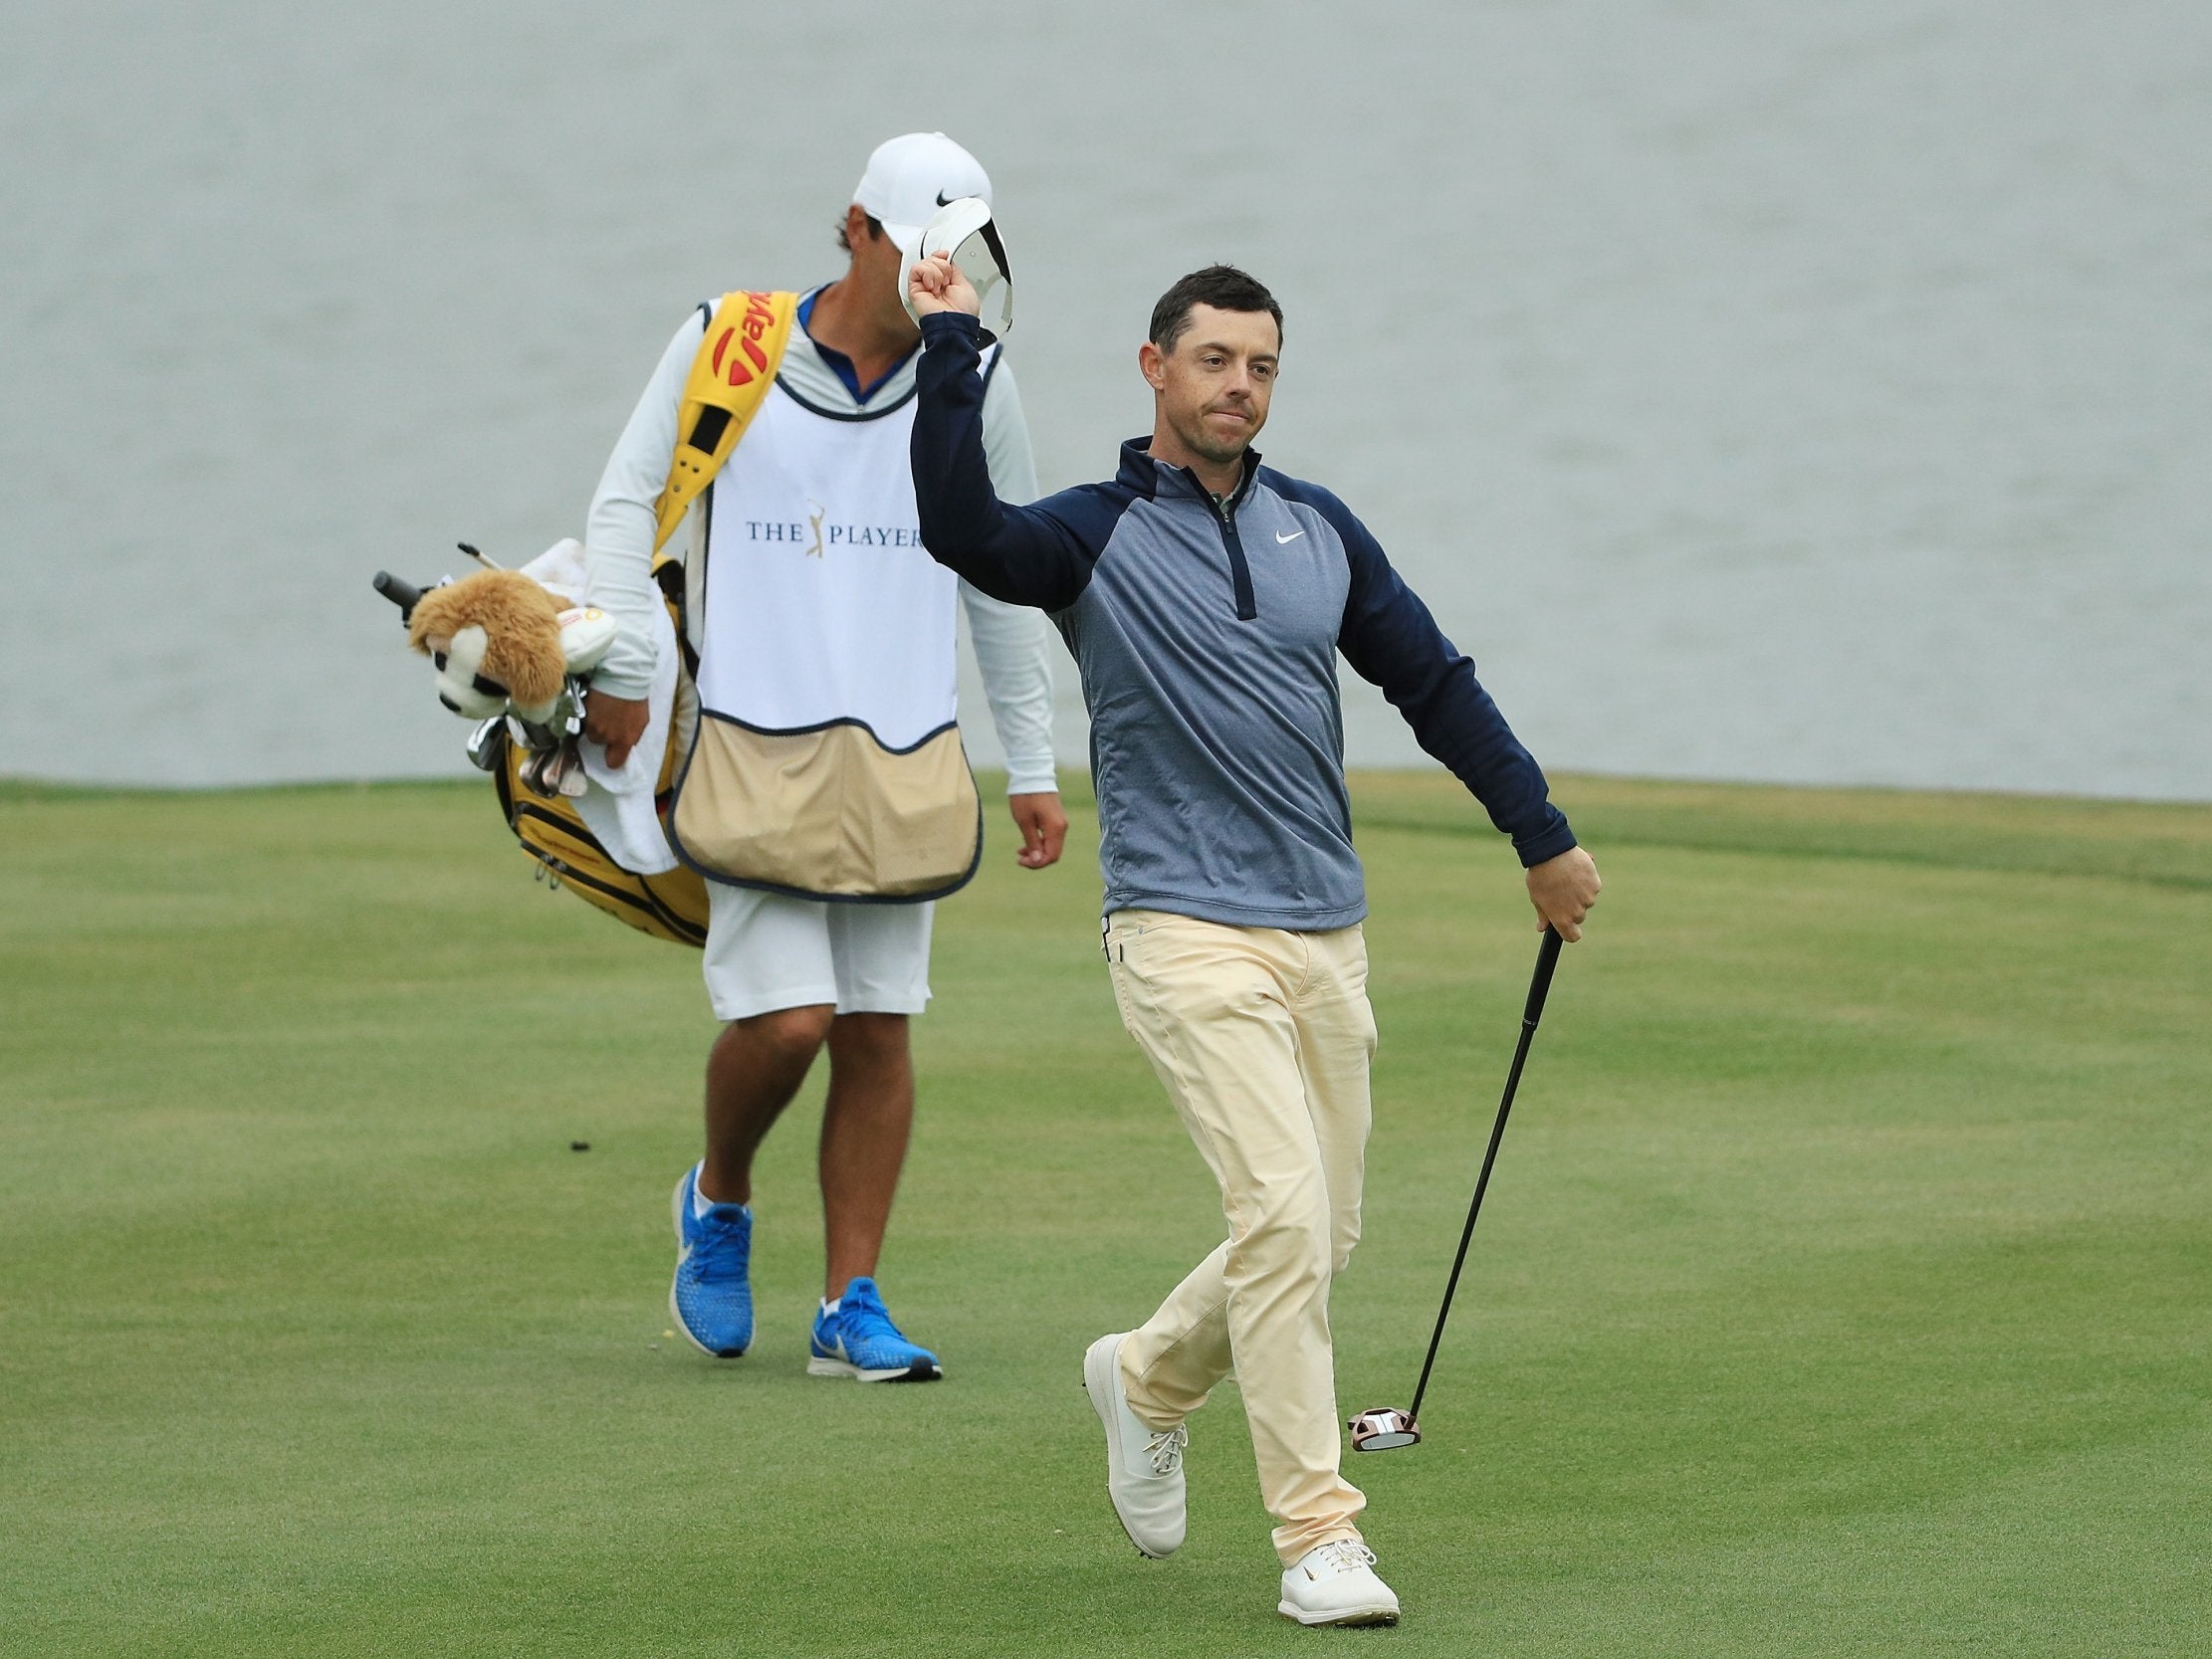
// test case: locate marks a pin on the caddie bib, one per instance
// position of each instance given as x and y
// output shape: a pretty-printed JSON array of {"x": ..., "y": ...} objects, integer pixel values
[{"x": 827, "y": 763}]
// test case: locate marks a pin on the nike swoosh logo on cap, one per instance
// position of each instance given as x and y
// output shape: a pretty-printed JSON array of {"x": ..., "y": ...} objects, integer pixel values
[
  {"x": 944, "y": 200},
  {"x": 1292, "y": 536}
]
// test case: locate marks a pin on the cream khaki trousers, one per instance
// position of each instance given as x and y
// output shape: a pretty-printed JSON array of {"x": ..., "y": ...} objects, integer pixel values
[{"x": 1262, "y": 1038}]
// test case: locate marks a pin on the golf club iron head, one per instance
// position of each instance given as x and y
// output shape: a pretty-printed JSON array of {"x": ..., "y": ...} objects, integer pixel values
[{"x": 1384, "y": 1428}]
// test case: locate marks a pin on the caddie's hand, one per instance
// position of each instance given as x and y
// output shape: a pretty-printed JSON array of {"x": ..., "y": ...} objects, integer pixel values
[
  {"x": 937, "y": 286},
  {"x": 617, "y": 722},
  {"x": 1563, "y": 889},
  {"x": 1043, "y": 829}
]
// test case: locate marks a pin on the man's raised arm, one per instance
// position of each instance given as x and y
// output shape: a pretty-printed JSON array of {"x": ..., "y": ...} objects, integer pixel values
[{"x": 1020, "y": 554}]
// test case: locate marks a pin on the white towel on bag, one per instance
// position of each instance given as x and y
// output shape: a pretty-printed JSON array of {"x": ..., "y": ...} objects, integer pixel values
[{"x": 617, "y": 803}]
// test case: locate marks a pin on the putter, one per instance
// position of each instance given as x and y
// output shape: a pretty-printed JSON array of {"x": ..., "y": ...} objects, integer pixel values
[{"x": 1384, "y": 1428}]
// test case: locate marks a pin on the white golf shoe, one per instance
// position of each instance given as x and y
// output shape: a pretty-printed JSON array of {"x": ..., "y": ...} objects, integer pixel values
[
  {"x": 1143, "y": 1465},
  {"x": 1335, "y": 1583}
]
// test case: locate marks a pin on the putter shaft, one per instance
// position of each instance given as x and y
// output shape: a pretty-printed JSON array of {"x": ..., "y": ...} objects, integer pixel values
[{"x": 1547, "y": 958}]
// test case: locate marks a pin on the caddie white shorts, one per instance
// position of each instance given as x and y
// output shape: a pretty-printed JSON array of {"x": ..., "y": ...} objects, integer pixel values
[{"x": 765, "y": 952}]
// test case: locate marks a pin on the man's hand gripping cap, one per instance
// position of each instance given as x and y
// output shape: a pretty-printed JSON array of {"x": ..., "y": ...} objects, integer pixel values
[{"x": 965, "y": 229}]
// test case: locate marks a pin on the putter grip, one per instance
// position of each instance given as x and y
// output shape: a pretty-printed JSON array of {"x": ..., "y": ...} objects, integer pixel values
[{"x": 1547, "y": 958}]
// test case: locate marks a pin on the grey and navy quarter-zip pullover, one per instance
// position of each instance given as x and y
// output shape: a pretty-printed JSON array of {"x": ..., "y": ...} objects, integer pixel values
[{"x": 1207, "y": 632}]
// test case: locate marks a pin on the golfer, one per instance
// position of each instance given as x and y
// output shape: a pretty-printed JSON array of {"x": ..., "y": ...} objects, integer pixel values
[{"x": 1205, "y": 598}]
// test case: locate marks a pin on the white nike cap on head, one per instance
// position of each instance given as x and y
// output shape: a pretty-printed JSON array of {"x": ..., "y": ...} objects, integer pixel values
[{"x": 909, "y": 177}]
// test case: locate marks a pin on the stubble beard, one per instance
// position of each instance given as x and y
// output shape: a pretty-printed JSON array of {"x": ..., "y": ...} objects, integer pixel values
[{"x": 1204, "y": 444}]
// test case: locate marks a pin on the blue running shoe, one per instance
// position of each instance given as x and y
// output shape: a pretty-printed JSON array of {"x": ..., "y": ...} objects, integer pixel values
[
  {"x": 712, "y": 1299},
  {"x": 860, "y": 1341}
]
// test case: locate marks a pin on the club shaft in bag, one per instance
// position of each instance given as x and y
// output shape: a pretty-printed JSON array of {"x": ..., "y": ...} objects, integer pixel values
[{"x": 1547, "y": 958}]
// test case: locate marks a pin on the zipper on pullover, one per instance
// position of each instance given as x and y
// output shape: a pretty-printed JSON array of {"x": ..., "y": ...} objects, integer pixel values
[{"x": 1240, "y": 573}]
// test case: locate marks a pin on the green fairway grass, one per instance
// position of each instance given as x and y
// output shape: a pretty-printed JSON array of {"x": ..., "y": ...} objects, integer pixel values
[{"x": 1844, "y": 1286}]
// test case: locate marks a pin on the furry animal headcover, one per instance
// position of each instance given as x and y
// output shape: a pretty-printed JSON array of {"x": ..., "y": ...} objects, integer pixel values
[{"x": 507, "y": 623}]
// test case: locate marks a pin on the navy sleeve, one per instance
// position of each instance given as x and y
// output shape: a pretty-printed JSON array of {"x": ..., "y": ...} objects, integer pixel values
[
  {"x": 1391, "y": 640},
  {"x": 1026, "y": 556}
]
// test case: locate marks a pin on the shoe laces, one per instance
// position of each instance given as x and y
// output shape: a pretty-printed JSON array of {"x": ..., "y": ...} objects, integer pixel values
[
  {"x": 863, "y": 1315},
  {"x": 717, "y": 1245},
  {"x": 1346, "y": 1554},
  {"x": 1165, "y": 1449}
]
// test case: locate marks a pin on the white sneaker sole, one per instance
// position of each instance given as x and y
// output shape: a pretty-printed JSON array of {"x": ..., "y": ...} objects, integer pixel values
[
  {"x": 1377, "y": 1613},
  {"x": 1098, "y": 1382},
  {"x": 676, "y": 1314},
  {"x": 821, "y": 1367}
]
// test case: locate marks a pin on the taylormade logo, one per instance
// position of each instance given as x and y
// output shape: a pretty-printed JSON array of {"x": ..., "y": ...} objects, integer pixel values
[{"x": 745, "y": 333}]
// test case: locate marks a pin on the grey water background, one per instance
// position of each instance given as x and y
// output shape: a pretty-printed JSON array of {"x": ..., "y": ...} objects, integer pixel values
[{"x": 1756, "y": 389}]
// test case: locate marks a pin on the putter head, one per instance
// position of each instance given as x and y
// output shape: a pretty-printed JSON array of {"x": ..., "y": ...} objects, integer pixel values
[{"x": 1383, "y": 1429}]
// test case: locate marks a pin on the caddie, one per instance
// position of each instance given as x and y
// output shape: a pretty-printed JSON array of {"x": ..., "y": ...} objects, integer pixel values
[
  {"x": 826, "y": 797},
  {"x": 1206, "y": 599}
]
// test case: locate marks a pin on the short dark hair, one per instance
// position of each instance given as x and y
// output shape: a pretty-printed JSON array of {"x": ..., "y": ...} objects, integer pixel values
[
  {"x": 844, "y": 237},
  {"x": 1222, "y": 287}
]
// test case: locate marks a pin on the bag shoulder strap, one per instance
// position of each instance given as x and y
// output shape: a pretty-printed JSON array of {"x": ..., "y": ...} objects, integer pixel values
[{"x": 730, "y": 379}]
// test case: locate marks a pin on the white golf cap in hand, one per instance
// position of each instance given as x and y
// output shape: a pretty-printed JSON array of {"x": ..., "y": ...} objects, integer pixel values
[{"x": 964, "y": 230}]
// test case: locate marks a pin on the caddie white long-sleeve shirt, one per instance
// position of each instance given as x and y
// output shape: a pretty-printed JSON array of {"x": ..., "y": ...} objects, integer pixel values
[{"x": 1012, "y": 644}]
